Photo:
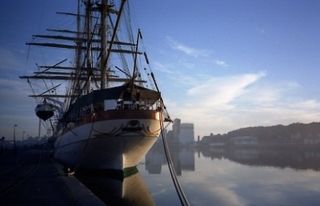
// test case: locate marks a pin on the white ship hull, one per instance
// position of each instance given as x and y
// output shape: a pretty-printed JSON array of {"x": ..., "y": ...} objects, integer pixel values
[{"x": 108, "y": 144}]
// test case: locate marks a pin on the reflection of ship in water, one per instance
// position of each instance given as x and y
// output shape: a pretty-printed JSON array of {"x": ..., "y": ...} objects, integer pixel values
[
  {"x": 296, "y": 158},
  {"x": 130, "y": 190},
  {"x": 180, "y": 141}
]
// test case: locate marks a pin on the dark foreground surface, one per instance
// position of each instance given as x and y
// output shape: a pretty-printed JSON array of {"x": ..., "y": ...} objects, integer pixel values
[{"x": 31, "y": 177}]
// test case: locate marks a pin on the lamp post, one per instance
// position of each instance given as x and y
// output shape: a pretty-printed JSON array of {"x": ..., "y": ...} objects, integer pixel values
[
  {"x": 1, "y": 144},
  {"x": 39, "y": 129},
  {"x": 14, "y": 137},
  {"x": 23, "y": 133}
]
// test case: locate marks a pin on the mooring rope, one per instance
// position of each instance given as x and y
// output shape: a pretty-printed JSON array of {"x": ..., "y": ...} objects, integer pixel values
[{"x": 182, "y": 196}]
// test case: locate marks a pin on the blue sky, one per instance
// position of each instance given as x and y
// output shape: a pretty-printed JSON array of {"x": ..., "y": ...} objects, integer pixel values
[{"x": 221, "y": 64}]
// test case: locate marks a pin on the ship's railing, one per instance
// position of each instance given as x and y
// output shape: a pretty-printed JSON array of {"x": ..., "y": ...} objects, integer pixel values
[
  {"x": 117, "y": 109},
  {"x": 131, "y": 105},
  {"x": 119, "y": 114}
]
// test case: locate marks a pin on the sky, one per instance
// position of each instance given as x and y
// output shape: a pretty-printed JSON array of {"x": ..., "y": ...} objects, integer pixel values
[{"x": 220, "y": 64}]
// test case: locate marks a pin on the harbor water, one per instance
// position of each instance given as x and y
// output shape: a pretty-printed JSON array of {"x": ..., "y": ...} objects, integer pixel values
[{"x": 238, "y": 176}]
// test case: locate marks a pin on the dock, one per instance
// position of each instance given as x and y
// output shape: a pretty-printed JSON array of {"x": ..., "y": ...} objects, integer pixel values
[{"x": 32, "y": 177}]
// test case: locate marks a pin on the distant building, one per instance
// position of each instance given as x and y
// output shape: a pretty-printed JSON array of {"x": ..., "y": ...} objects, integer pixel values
[
  {"x": 186, "y": 135},
  {"x": 176, "y": 127},
  {"x": 244, "y": 140},
  {"x": 311, "y": 141},
  {"x": 179, "y": 139}
]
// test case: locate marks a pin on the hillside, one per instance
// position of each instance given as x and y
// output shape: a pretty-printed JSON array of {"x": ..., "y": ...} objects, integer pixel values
[{"x": 296, "y": 133}]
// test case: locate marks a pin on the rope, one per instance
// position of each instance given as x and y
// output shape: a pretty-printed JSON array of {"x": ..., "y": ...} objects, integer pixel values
[{"x": 182, "y": 196}]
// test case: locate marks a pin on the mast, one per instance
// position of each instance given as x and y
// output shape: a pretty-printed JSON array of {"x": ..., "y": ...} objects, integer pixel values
[
  {"x": 78, "y": 41},
  {"x": 103, "y": 36},
  {"x": 76, "y": 85},
  {"x": 114, "y": 34},
  {"x": 94, "y": 39},
  {"x": 89, "y": 43},
  {"x": 135, "y": 55}
]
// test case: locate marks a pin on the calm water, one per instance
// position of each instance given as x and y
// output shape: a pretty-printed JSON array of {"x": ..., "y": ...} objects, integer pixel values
[
  {"x": 236, "y": 177},
  {"x": 217, "y": 176}
]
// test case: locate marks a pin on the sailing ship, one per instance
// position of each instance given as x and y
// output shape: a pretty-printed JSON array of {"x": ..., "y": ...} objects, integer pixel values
[{"x": 111, "y": 111}]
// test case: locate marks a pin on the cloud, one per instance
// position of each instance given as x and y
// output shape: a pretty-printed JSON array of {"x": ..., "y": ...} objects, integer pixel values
[
  {"x": 221, "y": 63},
  {"x": 270, "y": 93},
  {"x": 221, "y": 104},
  {"x": 199, "y": 56},
  {"x": 221, "y": 91},
  {"x": 261, "y": 31},
  {"x": 310, "y": 104},
  {"x": 211, "y": 101},
  {"x": 160, "y": 67},
  {"x": 190, "y": 51},
  {"x": 9, "y": 61}
]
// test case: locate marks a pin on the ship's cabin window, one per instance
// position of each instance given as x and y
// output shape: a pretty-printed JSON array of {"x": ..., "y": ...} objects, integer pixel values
[
  {"x": 110, "y": 104},
  {"x": 121, "y": 104},
  {"x": 127, "y": 105}
]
